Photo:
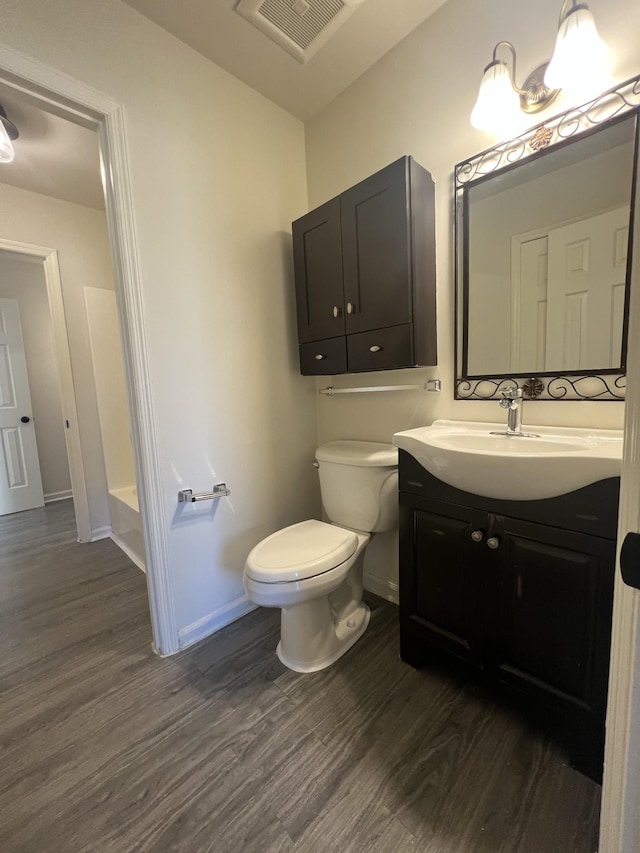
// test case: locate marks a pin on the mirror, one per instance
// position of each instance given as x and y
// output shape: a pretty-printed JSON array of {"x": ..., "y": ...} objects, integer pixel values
[{"x": 543, "y": 258}]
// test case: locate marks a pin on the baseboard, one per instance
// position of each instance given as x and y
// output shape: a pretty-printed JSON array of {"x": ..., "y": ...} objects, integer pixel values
[
  {"x": 100, "y": 533},
  {"x": 212, "y": 622},
  {"x": 131, "y": 554},
  {"x": 383, "y": 588},
  {"x": 52, "y": 497}
]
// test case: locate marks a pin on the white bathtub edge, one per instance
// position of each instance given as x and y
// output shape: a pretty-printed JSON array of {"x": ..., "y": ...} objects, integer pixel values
[{"x": 135, "y": 558}]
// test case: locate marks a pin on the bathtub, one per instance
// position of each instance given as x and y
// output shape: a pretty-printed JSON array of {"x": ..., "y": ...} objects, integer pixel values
[{"x": 126, "y": 526}]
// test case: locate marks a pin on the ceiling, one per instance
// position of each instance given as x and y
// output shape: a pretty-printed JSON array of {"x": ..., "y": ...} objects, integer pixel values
[
  {"x": 218, "y": 32},
  {"x": 54, "y": 157},
  {"x": 57, "y": 158}
]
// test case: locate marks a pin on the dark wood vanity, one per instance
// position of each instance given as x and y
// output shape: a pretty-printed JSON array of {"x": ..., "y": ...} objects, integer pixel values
[
  {"x": 520, "y": 591},
  {"x": 364, "y": 267}
]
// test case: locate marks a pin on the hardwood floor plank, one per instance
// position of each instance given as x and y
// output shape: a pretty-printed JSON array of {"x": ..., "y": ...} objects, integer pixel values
[{"x": 106, "y": 748}]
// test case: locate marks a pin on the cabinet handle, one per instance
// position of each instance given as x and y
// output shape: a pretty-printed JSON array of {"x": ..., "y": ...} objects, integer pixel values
[
  {"x": 351, "y": 307},
  {"x": 375, "y": 348},
  {"x": 493, "y": 542},
  {"x": 477, "y": 535},
  {"x": 319, "y": 357},
  {"x": 336, "y": 311}
]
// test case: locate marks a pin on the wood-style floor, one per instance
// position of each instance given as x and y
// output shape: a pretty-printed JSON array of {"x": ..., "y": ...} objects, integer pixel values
[{"x": 105, "y": 747}]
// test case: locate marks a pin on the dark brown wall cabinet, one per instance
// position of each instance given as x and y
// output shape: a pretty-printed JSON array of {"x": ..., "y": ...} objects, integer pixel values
[
  {"x": 365, "y": 275},
  {"x": 521, "y": 590}
]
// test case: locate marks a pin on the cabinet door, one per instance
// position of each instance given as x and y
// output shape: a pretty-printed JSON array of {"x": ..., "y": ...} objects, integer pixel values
[
  {"x": 557, "y": 602},
  {"x": 443, "y": 571},
  {"x": 376, "y": 250},
  {"x": 317, "y": 260}
]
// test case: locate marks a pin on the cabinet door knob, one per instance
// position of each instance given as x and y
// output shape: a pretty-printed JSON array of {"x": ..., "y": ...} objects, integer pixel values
[
  {"x": 493, "y": 542},
  {"x": 477, "y": 535},
  {"x": 351, "y": 308},
  {"x": 375, "y": 348},
  {"x": 319, "y": 357},
  {"x": 336, "y": 311}
]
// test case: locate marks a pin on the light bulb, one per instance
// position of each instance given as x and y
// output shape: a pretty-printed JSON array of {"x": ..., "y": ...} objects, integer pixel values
[
  {"x": 498, "y": 105},
  {"x": 581, "y": 60},
  {"x": 6, "y": 148}
]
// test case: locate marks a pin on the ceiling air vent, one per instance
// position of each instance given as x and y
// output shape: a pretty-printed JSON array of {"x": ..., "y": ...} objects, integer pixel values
[{"x": 301, "y": 27}]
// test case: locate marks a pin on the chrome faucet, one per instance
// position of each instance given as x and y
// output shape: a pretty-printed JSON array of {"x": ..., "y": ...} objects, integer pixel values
[{"x": 512, "y": 400}]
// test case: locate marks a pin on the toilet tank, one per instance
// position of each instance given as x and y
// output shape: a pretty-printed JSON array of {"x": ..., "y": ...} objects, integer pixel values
[{"x": 359, "y": 484}]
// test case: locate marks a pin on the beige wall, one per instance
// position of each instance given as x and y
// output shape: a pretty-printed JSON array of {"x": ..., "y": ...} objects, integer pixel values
[
  {"x": 79, "y": 234},
  {"x": 23, "y": 279},
  {"x": 417, "y": 100},
  {"x": 218, "y": 174}
]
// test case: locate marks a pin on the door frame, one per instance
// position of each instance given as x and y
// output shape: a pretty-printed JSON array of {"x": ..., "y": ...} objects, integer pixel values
[
  {"x": 619, "y": 823},
  {"x": 49, "y": 258},
  {"x": 73, "y": 100}
]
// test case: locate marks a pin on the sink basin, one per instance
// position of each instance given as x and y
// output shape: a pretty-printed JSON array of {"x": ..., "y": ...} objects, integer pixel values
[{"x": 558, "y": 460}]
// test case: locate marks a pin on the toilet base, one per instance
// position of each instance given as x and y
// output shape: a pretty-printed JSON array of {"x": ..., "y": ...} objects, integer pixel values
[{"x": 323, "y": 646}]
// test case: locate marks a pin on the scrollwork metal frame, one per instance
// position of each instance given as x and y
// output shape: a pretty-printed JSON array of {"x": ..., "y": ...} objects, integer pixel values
[{"x": 608, "y": 107}]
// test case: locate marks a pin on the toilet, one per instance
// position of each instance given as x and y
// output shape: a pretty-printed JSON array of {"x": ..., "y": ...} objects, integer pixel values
[{"x": 313, "y": 570}]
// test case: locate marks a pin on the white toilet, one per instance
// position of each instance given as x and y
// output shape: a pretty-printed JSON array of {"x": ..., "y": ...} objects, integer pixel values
[{"x": 313, "y": 570}]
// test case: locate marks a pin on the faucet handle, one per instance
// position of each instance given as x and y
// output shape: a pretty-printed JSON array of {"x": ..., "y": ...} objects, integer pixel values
[
  {"x": 505, "y": 403},
  {"x": 512, "y": 394}
]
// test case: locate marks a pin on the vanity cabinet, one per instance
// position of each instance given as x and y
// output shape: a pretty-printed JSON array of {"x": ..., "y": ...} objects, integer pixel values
[
  {"x": 521, "y": 591},
  {"x": 364, "y": 268}
]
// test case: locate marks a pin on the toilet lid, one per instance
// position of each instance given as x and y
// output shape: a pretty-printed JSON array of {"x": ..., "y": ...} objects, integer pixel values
[{"x": 300, "y": 551}]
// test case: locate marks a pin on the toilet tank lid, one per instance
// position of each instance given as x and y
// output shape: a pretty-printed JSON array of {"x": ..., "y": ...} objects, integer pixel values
[{"x": 368, "y": 454}]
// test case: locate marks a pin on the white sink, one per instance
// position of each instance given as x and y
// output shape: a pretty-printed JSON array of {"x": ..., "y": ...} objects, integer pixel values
[{"x": 558, "y": 460}]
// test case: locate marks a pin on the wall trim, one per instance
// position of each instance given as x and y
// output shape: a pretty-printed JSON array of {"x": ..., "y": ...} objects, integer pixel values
[
  {"x": 77, "y": 102},
  {"x": 52, "y": 497},
  {"x": 99, "y": 533},
  {"x": 131, "y": 554},
  {"x": 382, "y": 588},
  {"x": 214, "y": 621}
]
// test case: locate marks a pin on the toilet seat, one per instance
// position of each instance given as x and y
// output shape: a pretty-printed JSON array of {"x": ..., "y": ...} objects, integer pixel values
[{"x": 300, "y": 551}]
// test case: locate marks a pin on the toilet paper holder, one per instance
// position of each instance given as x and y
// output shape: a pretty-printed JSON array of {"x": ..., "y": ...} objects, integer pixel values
[{"x": 220, "y": 490}]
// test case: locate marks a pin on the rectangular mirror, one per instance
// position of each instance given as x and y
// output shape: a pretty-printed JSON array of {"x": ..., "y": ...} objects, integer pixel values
[{"x": 543, "y": 248}]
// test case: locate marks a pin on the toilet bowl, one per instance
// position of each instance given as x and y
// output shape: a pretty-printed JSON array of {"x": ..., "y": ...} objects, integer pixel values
[{"x": 313, "y": 570}]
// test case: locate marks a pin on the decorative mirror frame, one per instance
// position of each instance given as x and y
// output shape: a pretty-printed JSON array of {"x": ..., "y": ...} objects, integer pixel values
[{"x": 607, "y": 108}]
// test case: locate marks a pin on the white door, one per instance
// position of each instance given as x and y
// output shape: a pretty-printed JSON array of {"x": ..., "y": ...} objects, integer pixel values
[
  {"x": 529, "y": 344},
  {"x": 586, "y": 292},
  {"x": 20, "y": 481}
]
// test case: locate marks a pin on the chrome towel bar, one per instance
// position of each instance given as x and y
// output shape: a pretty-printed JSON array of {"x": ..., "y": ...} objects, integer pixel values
[
  {"x": 429, "y": 385},
  {"x": 219, "y": 491}
]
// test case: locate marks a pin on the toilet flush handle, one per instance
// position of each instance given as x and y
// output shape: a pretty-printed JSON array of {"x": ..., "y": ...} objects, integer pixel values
[{"x": 316, "y": 464}]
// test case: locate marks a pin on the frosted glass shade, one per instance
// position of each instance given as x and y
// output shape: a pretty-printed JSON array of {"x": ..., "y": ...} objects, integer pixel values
[
  {"x": 498, "y": 104},
  {"x": 6, "y": 148},
  {"x": 581, "y": 59}
]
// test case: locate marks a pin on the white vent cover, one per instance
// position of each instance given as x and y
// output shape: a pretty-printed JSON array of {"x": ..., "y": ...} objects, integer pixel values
[{"x": 301, "y": 27}]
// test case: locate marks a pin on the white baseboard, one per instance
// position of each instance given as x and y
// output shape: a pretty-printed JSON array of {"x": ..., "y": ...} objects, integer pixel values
[
  {"x": 100, "y": 533},
  {"x": 136, "y": 559},
  {"x": 384, "y": 588},
  {"x": 212, "y": 622},
  {"x": 58, "y": 496}
]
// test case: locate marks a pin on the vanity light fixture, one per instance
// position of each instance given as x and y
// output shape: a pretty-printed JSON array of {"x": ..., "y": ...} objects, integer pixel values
[
  {"x": 8, "y": 132},
  {"x": 580, "y": 57}
]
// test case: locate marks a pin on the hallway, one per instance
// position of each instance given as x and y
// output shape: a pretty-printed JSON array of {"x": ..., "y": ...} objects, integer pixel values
[{"x": 110, "y": 749}]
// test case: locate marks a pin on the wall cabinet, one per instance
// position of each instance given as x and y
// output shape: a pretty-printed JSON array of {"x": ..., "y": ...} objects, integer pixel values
[
  {"x": 365, "y": 275},
  {"x": 520, "y": 590}
]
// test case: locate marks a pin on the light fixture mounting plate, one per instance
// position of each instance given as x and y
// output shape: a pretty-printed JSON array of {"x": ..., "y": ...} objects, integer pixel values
[{"x": 535, "y": 95}]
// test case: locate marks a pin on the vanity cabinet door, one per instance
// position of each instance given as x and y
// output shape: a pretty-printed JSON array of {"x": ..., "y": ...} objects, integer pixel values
[
  {"x": 443, "y": 577},
  {"x": 557, "y": 602},
  {"x": 317, "y": 261}
]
